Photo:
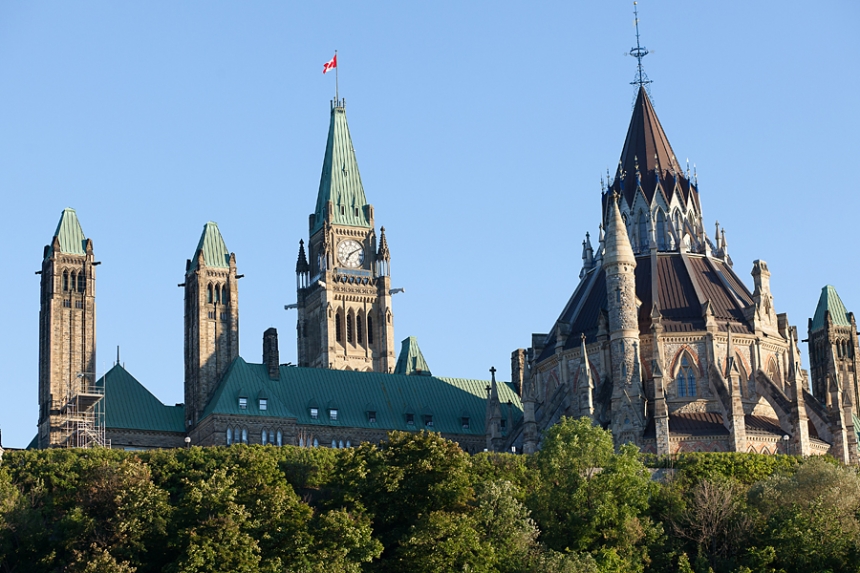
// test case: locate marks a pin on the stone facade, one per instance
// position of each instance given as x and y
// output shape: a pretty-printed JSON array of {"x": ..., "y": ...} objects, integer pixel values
[{"x": 67, "y": 329}]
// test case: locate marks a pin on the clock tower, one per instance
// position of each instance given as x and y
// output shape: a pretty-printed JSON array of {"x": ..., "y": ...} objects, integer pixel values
[{"x": 345, "y": 320}]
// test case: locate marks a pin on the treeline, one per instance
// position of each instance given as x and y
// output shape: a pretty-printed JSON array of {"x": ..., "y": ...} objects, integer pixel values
[{"x": 418, "y": 504}]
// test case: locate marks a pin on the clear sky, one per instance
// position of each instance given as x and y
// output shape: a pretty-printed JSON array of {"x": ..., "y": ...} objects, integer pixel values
[{"x": 481, "y": 129}]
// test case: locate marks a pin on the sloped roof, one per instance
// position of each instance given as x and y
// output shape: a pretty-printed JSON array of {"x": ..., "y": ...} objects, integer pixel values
[
  {"x": 353, "y": 394},
  {"x": 830, "y": 301},
  {"x": 677, "y": 298},
  {"x": 70, "y": 234},
  {"x": 130, "y": 406},
  {"x": 340, "y": 181},
  {"x": 647, "y": 146},
  {"x": 411, "y": 360},
  {"x": 215, "y": 253}
]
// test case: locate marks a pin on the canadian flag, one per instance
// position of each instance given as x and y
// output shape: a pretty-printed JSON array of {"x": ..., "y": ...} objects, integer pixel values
[{"x": 331, "y": 64}]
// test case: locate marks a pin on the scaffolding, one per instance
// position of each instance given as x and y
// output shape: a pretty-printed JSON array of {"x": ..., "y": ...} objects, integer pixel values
[{"x": 82, "y": 418}]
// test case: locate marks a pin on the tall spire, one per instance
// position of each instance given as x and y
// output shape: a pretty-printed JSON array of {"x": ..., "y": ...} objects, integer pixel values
[
  {"x": 618, "y": 249},
  {"x": 340, "y": 181}
]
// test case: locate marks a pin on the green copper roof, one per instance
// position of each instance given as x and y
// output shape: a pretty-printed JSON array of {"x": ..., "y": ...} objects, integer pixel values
[
  {"x": 830, "y": 301},
  {"x": 70, "y": 234},
  {"x": 353, "y": 394},
  {"x": 340, "y": 181},
  {"x": 411, "y": 361},
  {"x": 130, "y": 406},
  {"x": 215, "y": 253}
]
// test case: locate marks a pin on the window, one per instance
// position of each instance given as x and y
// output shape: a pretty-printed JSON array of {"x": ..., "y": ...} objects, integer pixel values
[
  {"x": 661, "y": 231},
  {"x": 342, "y": 210},
  {"x": 79, "y": 304},
  {"x": 503, "y": 423},
  {"x": 209, "y": 297},
  {"x": 334, "y": 444},
  {"x": 316, "y": 443},
  {"x": 359, "y": 328},
  {"x": 315, "y": 413},
  {"x": 243, "y": 403},
  {"x": 244, "y": 435},
  {"x": 465, "y": 422},
  {"x": 280, "y": 438},
  {"x": 369, "y": 330},
  {"x": 265, "y": 435},
  {"x": 356, "y": 211},
  {"x": 217, "y": 293},
  {"x": 67, "y": 303},
  {"x": 371, "y": 417},
  {"x": 332, "y": 414},
  {"x": 686, "y": 378},
  {"x": 349, "y": 337},
  {"x": 428, "y": 421},
  {"x": 264, "y": 404},
  {"x": 65, "y": 280},
  {"x": 643, "y": 231},
  {"x": 82, "y": 282},
  {"x": 229, "y": 436},
  {"x": 338, "y": 328},
  {"x": 410, "y": 419},
  {"x": 340, "y": 444},
  {"x": 348, "y": 444}
]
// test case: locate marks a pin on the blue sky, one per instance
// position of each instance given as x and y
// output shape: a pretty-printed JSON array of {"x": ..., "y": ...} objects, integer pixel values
[{"x": 481, "y": 128}]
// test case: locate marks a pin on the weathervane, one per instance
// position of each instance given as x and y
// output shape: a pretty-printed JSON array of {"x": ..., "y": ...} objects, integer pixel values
[{"x": 639, "y": 52}]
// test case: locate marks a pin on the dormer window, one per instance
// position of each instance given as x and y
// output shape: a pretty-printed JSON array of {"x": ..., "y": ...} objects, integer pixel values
[
  {"x": 428, "y": 421},
  {"x": 503, "y": 423},
  {"x": 371, "y": 417},
  {"x": 264, "y": 404},
  {"x": 332, "y": 414},
  {"x": 315, "y": 413},
  {"x": 410, "y": 419},
  {"x": 465, "y": 422},
  {"x": 243, "y": 403}
]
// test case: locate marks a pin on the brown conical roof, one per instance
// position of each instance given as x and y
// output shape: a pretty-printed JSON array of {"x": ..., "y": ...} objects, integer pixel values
[{"x": 647, "y": 147}]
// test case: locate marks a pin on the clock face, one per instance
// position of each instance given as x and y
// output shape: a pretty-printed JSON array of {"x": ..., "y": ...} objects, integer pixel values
[{"x": 350, "y": 254}]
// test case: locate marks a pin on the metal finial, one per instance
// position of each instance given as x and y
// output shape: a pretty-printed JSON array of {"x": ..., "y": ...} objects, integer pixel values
[
  {"x": 602, "y": 185},
  {"x": 639, "y": 52}
]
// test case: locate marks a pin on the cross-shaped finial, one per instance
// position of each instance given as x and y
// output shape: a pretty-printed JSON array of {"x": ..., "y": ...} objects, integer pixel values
[{"x": 493, "y": 372}]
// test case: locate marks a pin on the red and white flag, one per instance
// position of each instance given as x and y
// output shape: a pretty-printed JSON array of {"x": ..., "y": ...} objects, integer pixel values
[{"x": 331, "y": 64}]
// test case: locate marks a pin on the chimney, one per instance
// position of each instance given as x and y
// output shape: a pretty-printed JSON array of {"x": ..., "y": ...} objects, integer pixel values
[{"x": 270, "y": 352}]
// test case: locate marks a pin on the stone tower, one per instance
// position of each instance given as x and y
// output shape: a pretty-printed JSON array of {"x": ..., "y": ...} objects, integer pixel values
[
  {"x": 622, "y": 305},
  {"x": 345, "y": 320},
  {"x": 67, "y": 326},
  {"x": 833, "y": 351},
  {"x": 211, "y": 320}
]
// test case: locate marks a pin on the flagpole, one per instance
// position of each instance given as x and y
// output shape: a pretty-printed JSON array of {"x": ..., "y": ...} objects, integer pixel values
[{"x": 336, "y": 89}]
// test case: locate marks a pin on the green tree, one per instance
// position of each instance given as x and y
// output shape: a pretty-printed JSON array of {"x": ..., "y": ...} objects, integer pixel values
[
  {"x": 810, "y": 518},
  {"x": 591, "y": 499},
  {"x": 443, "y": 541}
]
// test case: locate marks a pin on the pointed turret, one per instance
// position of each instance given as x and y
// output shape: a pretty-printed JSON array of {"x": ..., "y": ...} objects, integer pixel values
[
  {"x": 411, "y": 360},
  {"x": 647, "y": 157},
  {"x": 341, "y": 198},
  {"x": 211, "y": 320},
  {"x": 67, "y": 334},
  {"x": 829, "y": 301},
  {"x": 302, "y": 262},
  {"x": 618, "y": 249}
]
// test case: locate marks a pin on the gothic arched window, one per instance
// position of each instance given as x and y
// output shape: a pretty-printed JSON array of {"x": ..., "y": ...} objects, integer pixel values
[
  {"x": 359, "y": 329},
  {"x": 218, "y": 293},
  {"x": 265, "y": 435},
  {"x": 679, "y": 225},
  {"x": 229, "y": 436},
  {"x": 209, "y": 296},
  {"x": 773, "y": 372},
  {"x": 685, "y": 380},
  {"x": 65, "y": 280},
  {"x": 338, "y": 327},
  {"x": 661, "y": 231},
  {"x": 643, "y": 231},
  {"x": 369, "y": 329},
  {"x": 244, "y": 435},
  {"x": 280, "y": 438},
  {"x": 349, "y": 336}
]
